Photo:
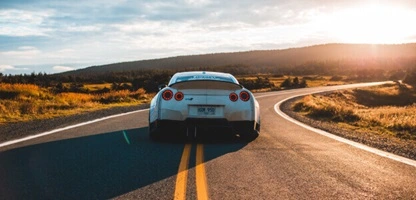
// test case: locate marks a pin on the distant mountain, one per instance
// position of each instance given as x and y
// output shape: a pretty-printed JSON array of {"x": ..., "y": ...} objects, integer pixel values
[{"x": 285, "y": 58}]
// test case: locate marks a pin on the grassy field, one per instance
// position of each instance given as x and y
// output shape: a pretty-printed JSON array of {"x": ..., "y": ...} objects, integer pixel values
[
  {"x": 24, "y": 102},
  {"x": 388, "y": 109}
]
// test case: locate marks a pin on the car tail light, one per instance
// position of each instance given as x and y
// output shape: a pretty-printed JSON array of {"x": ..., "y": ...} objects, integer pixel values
[
  {"x": 233, "y": 97},
  {"x": 244, "y": 95},
  {"x": 179, "y": 96},
  {"x": 167, "y": 95}
]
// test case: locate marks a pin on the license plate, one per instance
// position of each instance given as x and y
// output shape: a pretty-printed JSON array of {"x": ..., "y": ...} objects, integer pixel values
[{"x": 206, "y": 110}]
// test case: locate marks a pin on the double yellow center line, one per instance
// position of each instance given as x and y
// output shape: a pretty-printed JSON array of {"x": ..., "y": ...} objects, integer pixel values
[{"x": 182, "y": 176}]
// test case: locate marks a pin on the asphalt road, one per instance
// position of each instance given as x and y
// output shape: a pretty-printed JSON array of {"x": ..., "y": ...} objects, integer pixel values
[{"x": 115, "y": 158}]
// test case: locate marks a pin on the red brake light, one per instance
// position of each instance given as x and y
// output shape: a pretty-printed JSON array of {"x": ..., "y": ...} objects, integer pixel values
[
  {"x": 167, "y": 95},
  {"x": 233, "y": 97},
  {"x": 179, "y": 96},
  {"x": 244, "y": 95}
]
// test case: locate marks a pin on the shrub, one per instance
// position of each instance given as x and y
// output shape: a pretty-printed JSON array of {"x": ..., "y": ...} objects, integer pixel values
[
  {"x": 336, "y": 78},
  {"x": 74, "y": 99},
  {"x": 138, "y": 94},
  {"x": 410, "y": 78},
  {"x": 286, "y": 83},
  {"x": 27, "y": 108},
  {"x": 114, "y": 97}
]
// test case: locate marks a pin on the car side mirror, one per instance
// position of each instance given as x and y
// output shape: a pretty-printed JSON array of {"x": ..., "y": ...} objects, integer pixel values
[{"x": 161, "y": 86}]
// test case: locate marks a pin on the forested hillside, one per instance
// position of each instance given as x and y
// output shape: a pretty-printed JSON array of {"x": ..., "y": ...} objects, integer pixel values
[
  {"x": 328, "y": 58},
  {"x": 349, "y": 62}
]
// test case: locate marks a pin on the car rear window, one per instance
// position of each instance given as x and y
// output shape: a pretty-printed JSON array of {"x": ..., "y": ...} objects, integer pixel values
[
  {"x": 204, "y": 77},
  {"x": 206, "y": 84}
]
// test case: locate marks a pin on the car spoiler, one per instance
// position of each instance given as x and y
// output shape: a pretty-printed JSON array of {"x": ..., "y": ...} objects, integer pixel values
[{"x": 206, "y": 84}]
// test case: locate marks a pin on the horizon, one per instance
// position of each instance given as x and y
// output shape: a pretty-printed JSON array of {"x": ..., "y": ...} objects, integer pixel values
[{"x": 53, "y": 36}]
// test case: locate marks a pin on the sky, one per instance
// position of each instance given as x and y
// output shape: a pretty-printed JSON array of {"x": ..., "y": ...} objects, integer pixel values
[{"x": 52, "y": 36}]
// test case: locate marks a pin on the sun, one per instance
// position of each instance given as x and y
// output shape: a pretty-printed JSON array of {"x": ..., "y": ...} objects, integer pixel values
[{"x": 379, "y": 24}]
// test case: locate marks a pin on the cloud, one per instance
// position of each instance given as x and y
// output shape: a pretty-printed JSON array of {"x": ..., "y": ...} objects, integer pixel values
[
  {"x": 21, "y": 31},
  {"x": 198, "y": 2},
  {"x": 4, "y": 68},
  {"x": 76, "y": 28},
  {"x": 19, "y": 23},
  {"x": 64, "y": 33},
  {"x": 62, "y": 68},
  {"x": 23, "y": 52}
]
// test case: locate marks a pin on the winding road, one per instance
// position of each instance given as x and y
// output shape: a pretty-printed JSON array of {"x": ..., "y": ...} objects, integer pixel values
[{"x": 114, "y": 158}]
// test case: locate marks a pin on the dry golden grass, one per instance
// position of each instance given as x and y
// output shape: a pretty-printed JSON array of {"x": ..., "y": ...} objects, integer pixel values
[
  {"x": 389, "y": 109},
  {"x": 392, "y": 117},
  {"x": 95, "y": 87},
  {"x": 23, "y": 102},
  {"x": 11, "y": 91},
  {"x": 21, "y": 88},
  {"x": 75, "y": 98}
]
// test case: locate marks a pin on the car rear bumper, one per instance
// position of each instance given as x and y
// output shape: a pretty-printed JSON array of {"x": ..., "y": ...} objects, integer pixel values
[
  {"x": 183, "y": 126},
  {"x": 229, "y": 115}
]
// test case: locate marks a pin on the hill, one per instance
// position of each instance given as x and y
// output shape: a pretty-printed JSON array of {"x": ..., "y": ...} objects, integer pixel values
[{"x": 373, "y": 56}]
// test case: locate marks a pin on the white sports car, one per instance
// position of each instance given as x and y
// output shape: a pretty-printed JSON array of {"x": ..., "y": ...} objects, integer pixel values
[{"x": 204, "y": 100}]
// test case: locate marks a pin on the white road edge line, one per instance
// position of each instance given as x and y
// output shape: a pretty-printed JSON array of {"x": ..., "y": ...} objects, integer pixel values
[
  {"x": 340, "y": 139},
  {"x": 66, "y": 128}
]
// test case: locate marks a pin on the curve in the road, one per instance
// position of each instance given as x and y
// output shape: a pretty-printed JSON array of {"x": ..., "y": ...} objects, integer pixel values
[
  {"x": 341, "y": 139},
  {"x": 277, "y": 110}
]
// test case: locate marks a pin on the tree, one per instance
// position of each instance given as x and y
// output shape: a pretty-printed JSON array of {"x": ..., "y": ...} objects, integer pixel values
[
  {"x": 60, "y": 88},
  {"x": 286, "y": 83},
  {"x": 114, "y": 86},
  {"x": 303, "y": 84},
  {"x": 410, "y": 78},
  {"x": 296, "y": 81}
]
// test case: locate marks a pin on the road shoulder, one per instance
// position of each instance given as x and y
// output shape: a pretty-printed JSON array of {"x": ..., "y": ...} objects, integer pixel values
[
  {"x": 13, "y": 131},
  {"x": 396, "y": 146}
]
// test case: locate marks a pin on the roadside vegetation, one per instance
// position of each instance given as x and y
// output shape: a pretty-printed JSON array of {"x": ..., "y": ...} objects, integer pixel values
[
  {"x": 387, "y": 110},
  {"x": 25, "y": 102},
  {"x": 31, "y": 97}
]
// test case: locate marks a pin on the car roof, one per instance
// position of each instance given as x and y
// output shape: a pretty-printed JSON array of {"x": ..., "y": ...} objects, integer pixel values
[{"x": 202, "y": 76}]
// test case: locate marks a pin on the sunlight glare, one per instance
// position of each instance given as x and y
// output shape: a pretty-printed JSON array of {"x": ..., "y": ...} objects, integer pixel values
[{"x": 372, "y": 24}]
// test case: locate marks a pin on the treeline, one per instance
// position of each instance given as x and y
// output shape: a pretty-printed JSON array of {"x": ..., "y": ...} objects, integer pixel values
[
  {"x": 40, "y": 79},
  {"x": 150, "y": 79},
  {"x": 133, "y": 80}
]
